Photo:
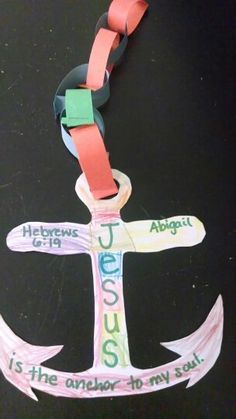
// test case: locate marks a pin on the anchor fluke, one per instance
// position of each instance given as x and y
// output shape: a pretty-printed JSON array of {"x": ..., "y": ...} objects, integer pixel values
[
  {"x": 17, "y": 357},
  {"x": 20, "y": 364},
  {"x": 206, "y": 341}
]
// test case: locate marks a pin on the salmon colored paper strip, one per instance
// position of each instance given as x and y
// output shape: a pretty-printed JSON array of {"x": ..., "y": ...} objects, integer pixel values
[
  {"x": 94, "y": 161},
  {"x": 125, "y": 15},
  {"x": 104, "y": 43}
]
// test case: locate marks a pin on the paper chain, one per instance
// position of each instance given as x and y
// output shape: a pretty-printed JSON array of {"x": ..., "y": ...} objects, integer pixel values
[
  {"x": 106, "y": 239},
  {"x": 86, "y": 88}
]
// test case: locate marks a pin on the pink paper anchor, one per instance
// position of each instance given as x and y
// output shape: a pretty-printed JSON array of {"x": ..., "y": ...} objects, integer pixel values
[{"x": 106, "y": 238}]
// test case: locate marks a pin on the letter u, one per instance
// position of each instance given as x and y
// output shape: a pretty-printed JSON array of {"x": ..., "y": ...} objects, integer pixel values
[{"x": 115, "y": 327}]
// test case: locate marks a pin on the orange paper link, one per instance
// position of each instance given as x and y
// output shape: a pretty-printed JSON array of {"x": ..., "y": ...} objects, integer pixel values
[
  {"x": 125, "y": 15},
  {"x": 93, "y": 160},
  {"x": 104, "y": 43}
]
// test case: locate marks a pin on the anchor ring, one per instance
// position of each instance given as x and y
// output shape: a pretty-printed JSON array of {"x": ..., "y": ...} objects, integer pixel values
[{"x": 106, "y": 205}]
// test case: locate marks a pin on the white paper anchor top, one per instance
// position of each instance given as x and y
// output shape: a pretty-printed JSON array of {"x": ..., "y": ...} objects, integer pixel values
[
  {"x": 107, "y": 227},
  {"x": 105, "y": 205}
]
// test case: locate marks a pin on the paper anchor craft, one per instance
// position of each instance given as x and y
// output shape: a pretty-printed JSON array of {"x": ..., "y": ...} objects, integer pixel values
[{"x": 106, "y": 238}]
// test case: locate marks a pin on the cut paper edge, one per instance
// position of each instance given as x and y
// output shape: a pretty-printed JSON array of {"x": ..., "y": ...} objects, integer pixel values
[
  {"x": 94, "y": 160},
  {"x": 213, "y": 326},
  {"x": 125, "y": 15},
  {"x": 205, "y": 342},
  {"x": 105, "y": 41}
]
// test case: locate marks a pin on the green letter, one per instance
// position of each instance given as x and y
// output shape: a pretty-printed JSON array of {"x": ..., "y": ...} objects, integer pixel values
[
  {"x": 162, "y": 226},
  {"x": 19, "y": 368},
  {"x": 154, "y": 227},
  {"x": 189, "y": 223},
  {"x": 107, "y": 352},
  {"x": 69, "y": 383},
  {"x": 178, "y": 372},
  {"x": 110, "y": 291},
  {"x": 53, "y": 380},
  {"x": 116, "y": 325},
  {"x": 110, "y": 225},
  {"x": 105, "y": 259},
  {"x": 173, "y": 227}
]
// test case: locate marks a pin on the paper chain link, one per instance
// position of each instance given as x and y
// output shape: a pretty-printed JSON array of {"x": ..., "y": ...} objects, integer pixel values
[{"x": 86, "y": 142}]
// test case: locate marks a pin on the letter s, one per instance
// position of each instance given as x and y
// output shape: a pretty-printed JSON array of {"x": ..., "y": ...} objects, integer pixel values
[
  {"x": 19, "y": 368},
  {"x": 116, "y": 297},
  {"x": 178, "y": 372},
  {"x": 110, "y": 353}
]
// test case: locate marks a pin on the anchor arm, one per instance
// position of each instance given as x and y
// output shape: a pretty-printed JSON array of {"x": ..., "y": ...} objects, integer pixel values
[
  {"x": 54, "y": 238},
  {"x": 21, "y": 362},
  {"x": 155, "y": 236}
]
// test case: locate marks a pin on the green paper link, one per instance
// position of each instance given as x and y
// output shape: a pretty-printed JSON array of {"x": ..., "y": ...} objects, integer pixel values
[{"x": 79, "y": 108}]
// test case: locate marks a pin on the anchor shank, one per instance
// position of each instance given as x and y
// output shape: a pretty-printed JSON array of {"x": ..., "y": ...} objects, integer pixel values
[{"x": 111, "y": 348}]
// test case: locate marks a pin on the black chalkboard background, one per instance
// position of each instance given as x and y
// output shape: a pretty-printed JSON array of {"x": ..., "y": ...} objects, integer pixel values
[{"x": 169, "y": 127}]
